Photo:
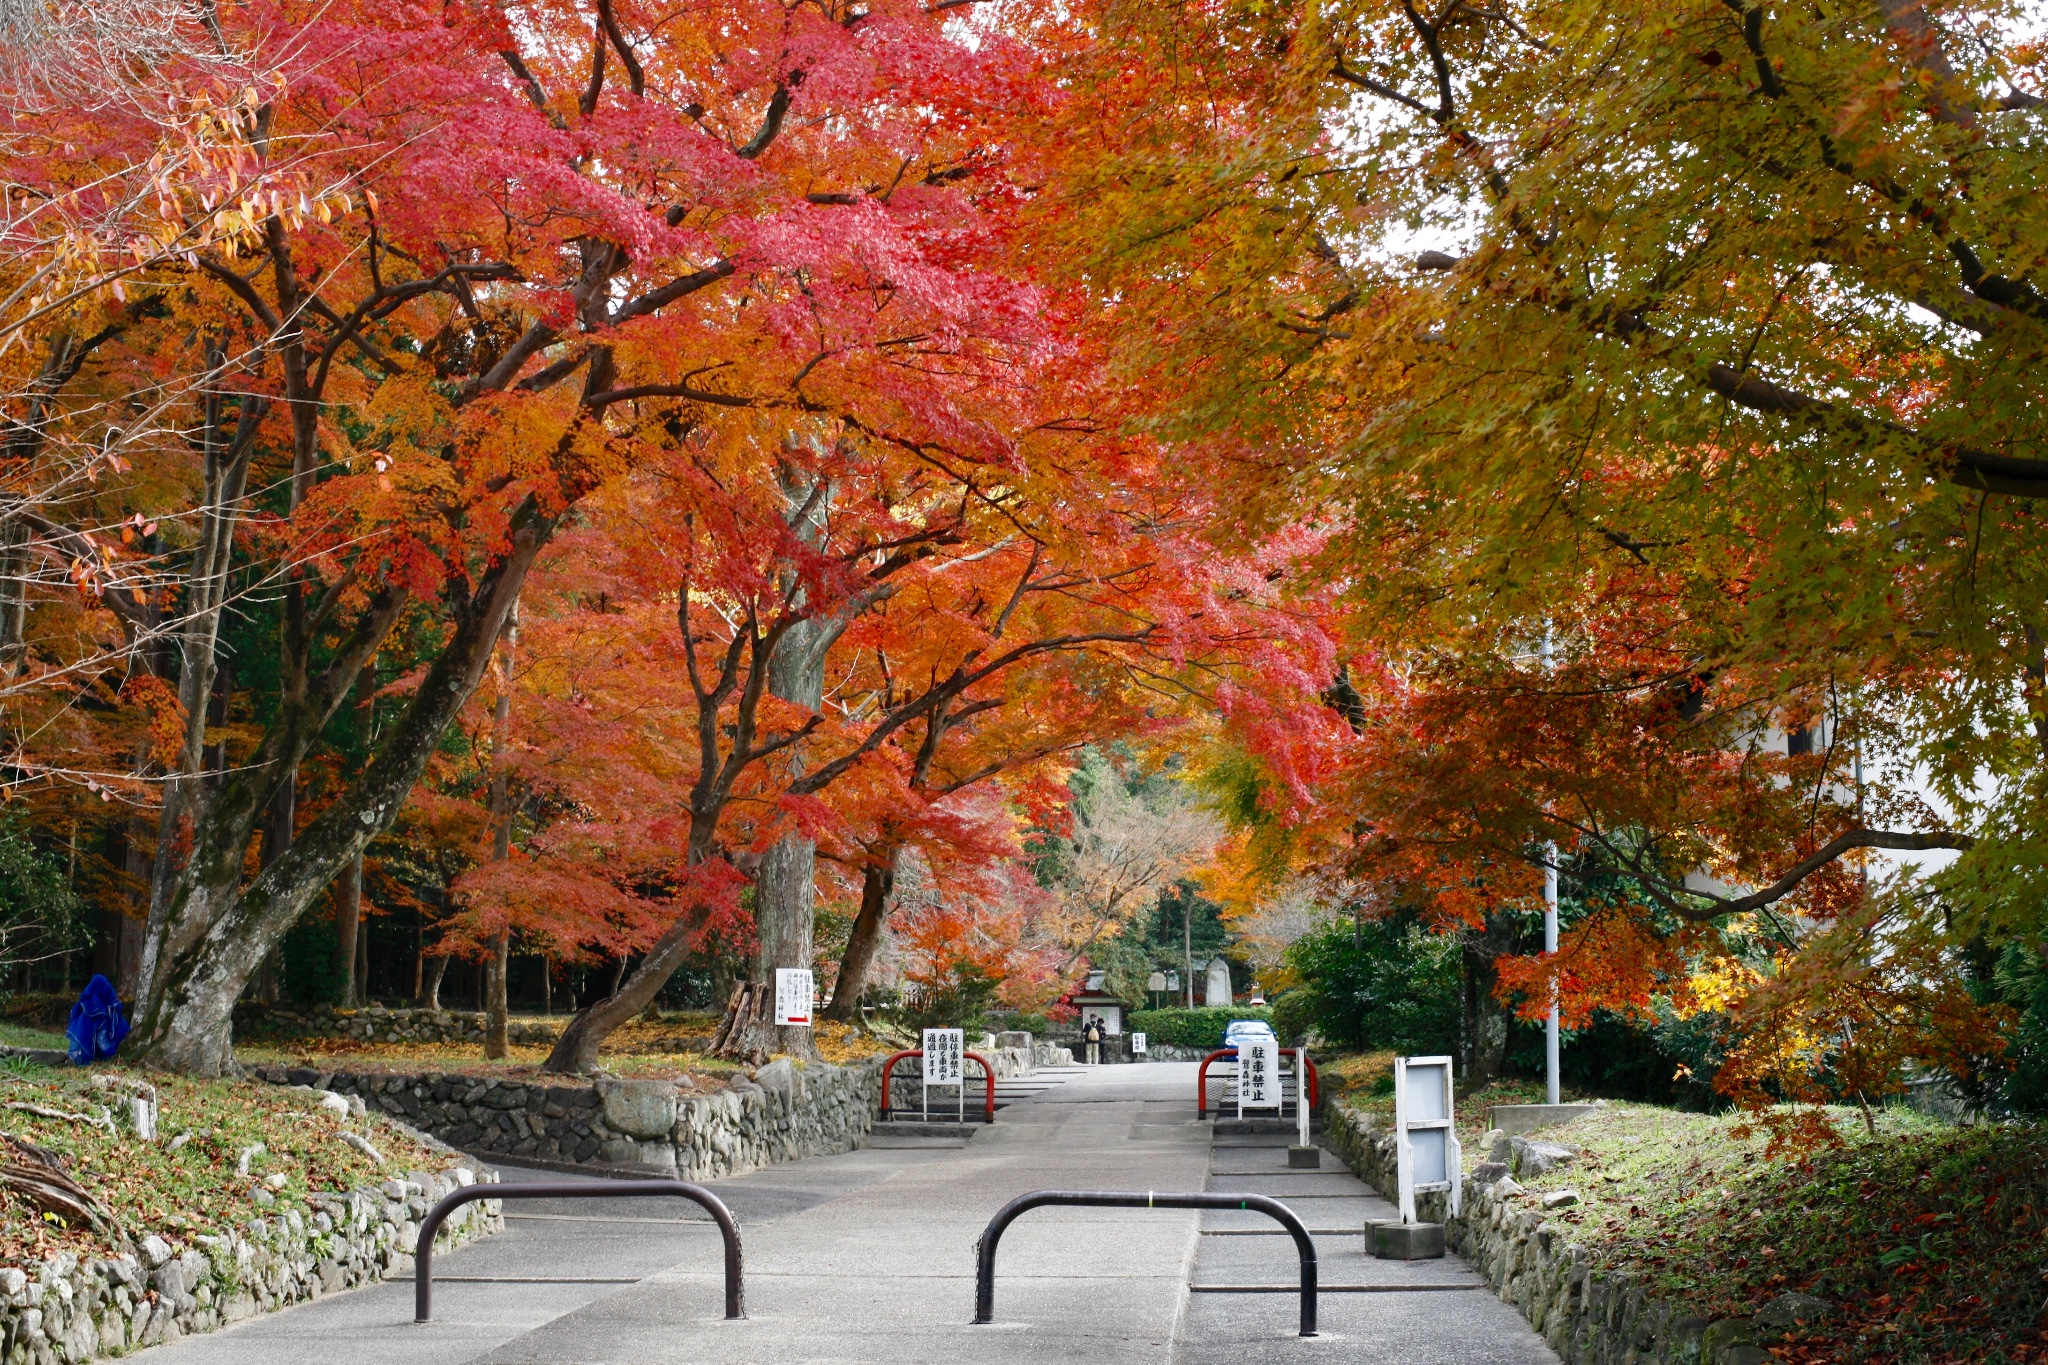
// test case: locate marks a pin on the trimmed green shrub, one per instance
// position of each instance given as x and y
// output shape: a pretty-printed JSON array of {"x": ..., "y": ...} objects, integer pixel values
[
  {"x": 1381, "y": 984},
  {"x": 1192, "y": 1028}
]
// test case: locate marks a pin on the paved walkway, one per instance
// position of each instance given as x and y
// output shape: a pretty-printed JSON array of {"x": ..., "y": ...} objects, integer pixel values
[{"x": 869, "y": 1257}]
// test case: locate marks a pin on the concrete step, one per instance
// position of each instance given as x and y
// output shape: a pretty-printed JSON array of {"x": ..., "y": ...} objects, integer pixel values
[
  {"x": 903, "y": 1128},
  {"x": 1262, "y": 1127}
]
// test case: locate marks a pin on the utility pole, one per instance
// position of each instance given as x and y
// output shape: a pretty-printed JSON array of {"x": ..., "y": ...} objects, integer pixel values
[
  {"x": 1187, "y": 943},
  {"x": 1550, "y": 1032},
  {"x": 1550, "y": 1040}
]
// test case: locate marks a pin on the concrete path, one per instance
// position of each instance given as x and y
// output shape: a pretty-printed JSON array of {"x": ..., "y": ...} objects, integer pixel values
[{"x": 869, "y": 1257}]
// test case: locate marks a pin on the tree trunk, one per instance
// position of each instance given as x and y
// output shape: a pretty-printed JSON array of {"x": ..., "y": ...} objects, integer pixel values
[
  {"x": 547, "y": 987},
  {"x": 785, "y": 890},
  {"x": 877, "y": 883},
  {"x": 784, "y": 915},
  {"x": 497, "y": 1024},
  {"x": 363, "y": 962},
  {"x": 430, "y": 995},
  {"x": 576, "y": 1051},
  {"x": 14, "y": 567},
  {"x": 497, "y": 1010},
  {"x": 787, "y": 886},
  {"x": 215, "y": 931},
  {"x": 348, "y": 915}
]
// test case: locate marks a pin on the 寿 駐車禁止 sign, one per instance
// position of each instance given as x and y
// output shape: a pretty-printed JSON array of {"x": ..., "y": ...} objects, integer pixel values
[
  {"x": 1258, "y": 1074},
  {"x": 794, "y": 994},
  {"x": 943, "y": 1050},
  {"x": 1137, "y": 1044}
]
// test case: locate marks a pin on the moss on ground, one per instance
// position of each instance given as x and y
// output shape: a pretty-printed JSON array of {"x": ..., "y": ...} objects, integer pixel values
[
  {"x": 182, "y": 1192},
  {"x": 1929, "y": 1239}
]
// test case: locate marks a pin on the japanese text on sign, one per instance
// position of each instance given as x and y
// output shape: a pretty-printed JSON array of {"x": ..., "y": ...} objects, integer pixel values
[
  {"x": 793, "y": 995},
  {"x": 1138, "y": 1044},
  {"x": 943, "y": 1049},
  {"x": 1256, "y": 1082}
]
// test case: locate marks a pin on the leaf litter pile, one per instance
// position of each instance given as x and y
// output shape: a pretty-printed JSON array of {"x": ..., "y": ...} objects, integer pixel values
[
  {"x": 79, "y": 1177},
  {"x": 1930, "y": 1241}
]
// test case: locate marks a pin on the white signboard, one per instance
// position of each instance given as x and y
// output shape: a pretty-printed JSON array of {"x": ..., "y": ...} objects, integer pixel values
[
  {"x": 1427, "y": 1155},
  {"x": 794, "y": 993},
  {"x": 1137, "y": 1044},
  {"x": 943, "y": 1049},
  {"x": 1258, "y": 1078}
]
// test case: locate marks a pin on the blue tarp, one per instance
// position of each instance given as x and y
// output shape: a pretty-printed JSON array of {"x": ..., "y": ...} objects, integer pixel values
[{"x": 97, "y": 1023}]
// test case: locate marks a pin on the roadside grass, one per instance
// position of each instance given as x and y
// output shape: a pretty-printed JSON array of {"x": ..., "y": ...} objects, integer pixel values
[
  {"x": 192, "y": 1189},
  {"x": 1928, "y": 1239},
  {"x": 1364, "y": 1081}
]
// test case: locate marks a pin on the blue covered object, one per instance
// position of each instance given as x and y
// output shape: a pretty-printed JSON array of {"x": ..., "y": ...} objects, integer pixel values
[
  {"x": 1239, "y": 1029},
  {"x": 98, "y": 1023}
]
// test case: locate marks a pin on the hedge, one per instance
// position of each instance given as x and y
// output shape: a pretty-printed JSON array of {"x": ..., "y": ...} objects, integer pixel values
[{"x": 1192, "y": 1028}]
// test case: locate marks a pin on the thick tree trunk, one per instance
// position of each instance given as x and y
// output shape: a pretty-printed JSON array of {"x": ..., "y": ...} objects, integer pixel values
[
  {"x": 430, "y": 994},
  {"x": 877, "y": 884},
  {"x": 785, "y": 909},
  {"x": 497, "y": 1007},
  {"x": 785, "y": 890},
  {"x": 576, "y": 1051},
  {"x": 348, "y": 918},
  {"x": 216, "y": 933}
]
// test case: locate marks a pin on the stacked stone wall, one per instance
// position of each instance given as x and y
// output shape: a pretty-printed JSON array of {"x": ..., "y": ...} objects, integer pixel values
[
  {"x": 73, "y": 1309},
  {"x": 376, "y": 1024},
  {"x": 784, "y": 1112}
]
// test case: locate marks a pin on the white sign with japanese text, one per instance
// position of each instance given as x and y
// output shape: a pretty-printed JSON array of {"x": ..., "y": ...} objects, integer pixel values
[
  {"x": 1258, "y": 1080},
  {"x": 794, "y": 994},
  {"x": 943, "y": 1050},
  {"x": 1138, "y": 1044}
]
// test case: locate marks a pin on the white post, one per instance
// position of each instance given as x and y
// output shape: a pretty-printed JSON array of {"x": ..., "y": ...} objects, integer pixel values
[
  {"x": 1550, "y": 1041},
  {"x": 1301, "y": 1093},
  {"x": 1404, "y": 1161}
]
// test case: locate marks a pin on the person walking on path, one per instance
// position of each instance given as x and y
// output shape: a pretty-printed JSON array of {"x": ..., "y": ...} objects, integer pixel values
[{"x": 1091, "y": 1038}]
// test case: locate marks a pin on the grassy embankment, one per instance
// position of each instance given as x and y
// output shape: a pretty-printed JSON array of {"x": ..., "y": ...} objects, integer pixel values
[
  {"x": 192, "y": 1181},
  {"x": 1931, "y": 1241}
]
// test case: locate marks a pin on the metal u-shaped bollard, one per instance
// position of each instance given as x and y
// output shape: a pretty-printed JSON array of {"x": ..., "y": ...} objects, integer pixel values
[
  {"x": 985, "y": 1249},
  {"x": 728, "y": 1226}
]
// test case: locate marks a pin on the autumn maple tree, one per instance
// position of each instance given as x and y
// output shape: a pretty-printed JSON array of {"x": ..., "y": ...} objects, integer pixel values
[
  {"x": 856, "y": 638},
  {"x": 557, "y": 247},
  {"x": 1698, "y": 341}
]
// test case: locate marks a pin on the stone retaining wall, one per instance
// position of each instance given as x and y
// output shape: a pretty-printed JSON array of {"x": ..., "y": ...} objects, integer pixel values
[
  {"x": 1589, "y": 1316},
  {"x": 784, "y": 1112},
  {"x": 375, "y": 1024},
  {"x": 72, "y": 1310}
]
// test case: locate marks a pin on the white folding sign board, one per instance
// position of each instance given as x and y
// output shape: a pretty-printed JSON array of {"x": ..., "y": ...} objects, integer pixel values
[
  {"x": 1258, "y": 1075},
  {"x": 794, "y": 993},
  {"x": 1427, "y": 1156},
  {"x": 1138, "y": 1044},
  {"x": 943, "y": 1048}
]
